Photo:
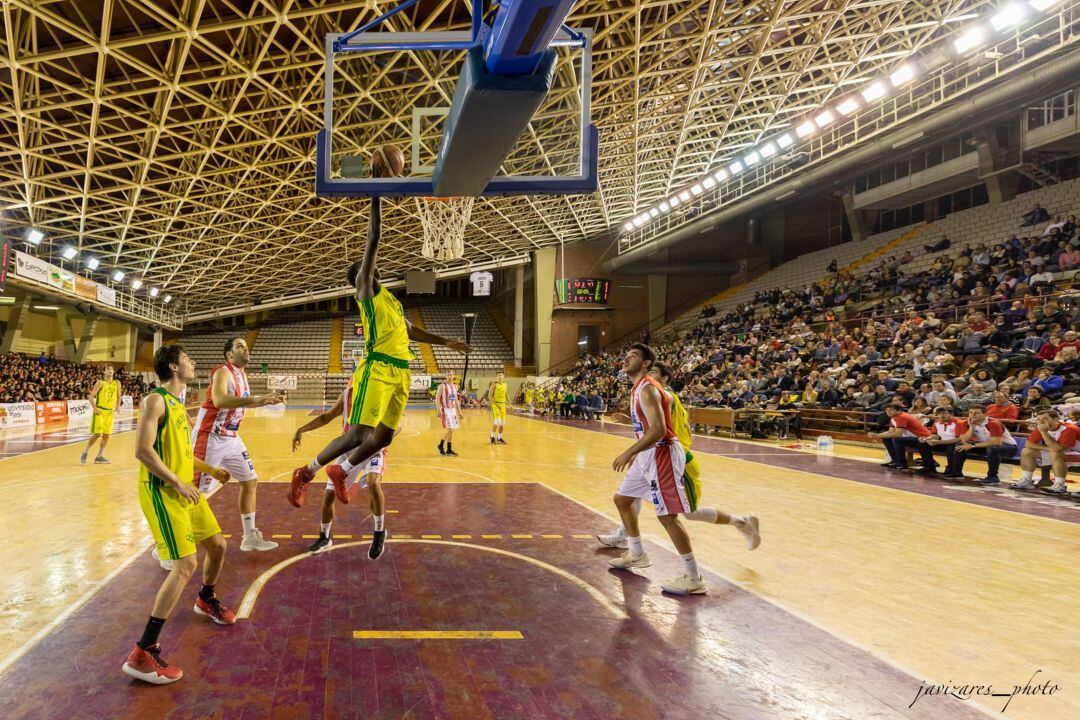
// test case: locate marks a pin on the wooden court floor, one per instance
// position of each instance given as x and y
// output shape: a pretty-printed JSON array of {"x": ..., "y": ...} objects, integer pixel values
[{"x": 934, "y": 590}]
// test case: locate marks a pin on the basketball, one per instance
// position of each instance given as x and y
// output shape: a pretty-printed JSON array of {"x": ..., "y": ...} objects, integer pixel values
[{"x": 388, "y": 161}]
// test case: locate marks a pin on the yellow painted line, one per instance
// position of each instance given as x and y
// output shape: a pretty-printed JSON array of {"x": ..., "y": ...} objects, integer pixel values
[
  {"x": 338, "y": 536},
  {"x": 392, "y": 511},
  {"x": 368, "y": 537},
  {"x": 309, "y": 537},
  {"x": 402, "y": 537},
  {"x": 492, "y": 537},
  {"x": 552, "y": 537},
  {"x": 522, "y": 537},
  {"x": 437, "y": 635},
  {"x": 247, "y": 605},
  {"x": 582, "y": 537},
  {"x": 226, "y": 535},
  {"x": 281, "y": 537},
  {"x": 432, "y": 537},
  {"x": 462, "y": 537}
]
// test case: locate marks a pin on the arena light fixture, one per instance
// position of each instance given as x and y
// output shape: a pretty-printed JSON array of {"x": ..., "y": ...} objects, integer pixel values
[
  {"x": 902, "y": 75},
  {"x": 969, "y": 40},
  {"x": 664, "y": 207},
  {"x": 709, "y": 183},
  {"x": 1044, "y": 5},
  {"x": 697, "y": 189},
  {"x": 1009, "y": 17},
  {"x": 34, "y": 236},
  {"x": 154, "y": 292},
  {"x": 684, "y": 195},
  {"x": 806, "y": 129},
  {"x": 823, "y": 118},
  {"x": 118, "y": 275},
  {"x": 721, "y": 175},
  {"x": 735, "y": 168},
  {"x": 752, "y": 158},
  {"x": 654, "y": 212},
  {"x": 768, "y": 150},
  {"x": 136, "y": 284},
  {"x": 92, "y": 263},
  {"x": 69, "y": 253},
  {"x": 874, "y": 91},
  {"x": 785, "y": 141},
  {"x": 674, "y": 200},
  {"x": 46, "y": 307},
  {"x": 167, "y": 299},
  {"x": 848, "y": 106},
  {"x": 628, "y": 226}
]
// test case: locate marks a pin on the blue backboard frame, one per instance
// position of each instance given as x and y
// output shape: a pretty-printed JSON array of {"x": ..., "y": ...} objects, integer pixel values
[{"x": 361, "y": 40}]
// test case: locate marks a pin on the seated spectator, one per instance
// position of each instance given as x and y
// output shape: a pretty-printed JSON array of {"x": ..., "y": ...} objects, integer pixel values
[
  {"x": 984, "y": 436},
  {"x": 1048, "y": 383},
  {"x": 1048, "y": 444},
  {"x": 1034, "y": 401},
  {"x": 921, "y": 410},
  {"x": 1035, "y": 215},
  {"x": 943, "y": 243},
  {"x": 946, "y": 432},
  {"x": 1002, "y": 408},
  {"x": 977, "y": 394},
  {"x": 904, "y": 432}
]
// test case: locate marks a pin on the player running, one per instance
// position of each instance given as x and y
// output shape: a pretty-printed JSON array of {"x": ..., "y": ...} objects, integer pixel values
[
  {"x": 103, "y": 399},
  {"x": 680, "y": 419},
  {"x": 179, "y": 516},
  {"x": 448, "y": 404},
  {"x": 217, "y": 435},
  {"x": 369, "y": 473},
  {"x": 496, "y": 397},
  {"x": 381, "y": 378}
]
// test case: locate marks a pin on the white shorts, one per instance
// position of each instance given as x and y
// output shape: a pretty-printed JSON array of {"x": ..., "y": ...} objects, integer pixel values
[
  {"x": 224, "y": 452},
  {"x": 450, "y": 419},
  {"x": 656, "y": 474},
  {"x": 374, "y": 464}
]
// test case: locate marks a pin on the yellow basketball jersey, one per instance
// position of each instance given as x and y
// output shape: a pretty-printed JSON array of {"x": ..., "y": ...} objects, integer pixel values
[
  {"x": 107, "y": 395},
  {"x": 173, "y": 443},
  {"x": 680, "y": 420},
  {"x": 529, "y": 394},
  {"x": 498, "y": 393},
  {"x": 385, "y": 331}
]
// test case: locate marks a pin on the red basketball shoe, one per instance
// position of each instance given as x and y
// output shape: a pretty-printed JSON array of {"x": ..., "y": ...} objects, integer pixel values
[
  {"x": 301, "y": 476},
  {"x": 147, "y": 665},
  {"x": 214, "y": 610},
  {"x": 338, "y": 477}
]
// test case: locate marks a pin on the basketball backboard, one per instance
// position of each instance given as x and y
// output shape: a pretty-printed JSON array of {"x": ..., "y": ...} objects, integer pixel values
[{"x": 398, "y": 88}]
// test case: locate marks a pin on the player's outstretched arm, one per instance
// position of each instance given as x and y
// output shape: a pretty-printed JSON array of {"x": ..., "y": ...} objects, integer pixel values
[
  {"x": 365, "y": 283},
  {"x": 219, "y": 393},
  {"x": 151, "y": 412},
  {"x": 336, "y": 409},
  {"x": 420, "y": 335}
]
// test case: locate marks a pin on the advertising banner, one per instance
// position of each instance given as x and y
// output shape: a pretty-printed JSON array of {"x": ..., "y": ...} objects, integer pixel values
[
  {"x": 127, "y": 405},
  {"x": 14, "y": 415},
  {"x": 106, "y": 296},
  {"x": 85, "y": 288},
  {"x": 79, "y": 409},
  {"x": 28, "y": 266},
  {"x": 420, "y": 382},
  {"x": 51, "y": 411},
  {"x": 280, "y": 382}
]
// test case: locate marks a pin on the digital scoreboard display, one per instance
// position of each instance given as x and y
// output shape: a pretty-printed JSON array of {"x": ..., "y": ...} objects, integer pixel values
[
  {"x": 582, "y": 290},
  {"x": 358, "y": 330}
]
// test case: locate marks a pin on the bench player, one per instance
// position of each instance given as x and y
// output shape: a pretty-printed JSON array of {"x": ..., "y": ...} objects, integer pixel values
[
  {"x": 369, "y": 473},
  {"x": 103, "y": 399},
  {"x": 448, "y": 404},
  {"x": 680, "y": 419},
  {"x": 179, "y": 516},
  {"x": 217, "y": 435},
  {"x": 381, "y": 378}
]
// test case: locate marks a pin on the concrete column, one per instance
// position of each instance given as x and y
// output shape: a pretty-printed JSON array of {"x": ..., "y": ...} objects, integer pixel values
[
  {"x": 87, "y": 336},
  {"x": 861, "y": 222},
  {"x": 657, "y": 301},
  {"x": 17, "y": 319},
  {"x": 1000, "y": 187},
  {"x": 519, "y": 312},
  {"x": 133, "y": 346},
  {"x": 157, "y": 340},
  {"x": 544, "y": 290},
  {"x": 67, "y": 335}
]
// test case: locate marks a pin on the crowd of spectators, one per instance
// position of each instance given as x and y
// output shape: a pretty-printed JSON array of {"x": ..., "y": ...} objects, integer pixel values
[
  {"x": 991, "y": 325},
  {"x": 24, "y": 378}
]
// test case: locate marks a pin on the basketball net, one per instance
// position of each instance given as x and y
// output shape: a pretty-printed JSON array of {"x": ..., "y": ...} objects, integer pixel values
[{"x": 444, "y": 221}]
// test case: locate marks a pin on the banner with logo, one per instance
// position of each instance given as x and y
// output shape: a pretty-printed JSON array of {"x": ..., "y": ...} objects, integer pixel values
[
  {"x": 79, "y": 409},
  {"x": 420, "y": 382},
  {"x": 127, "y": 405},
  {"x": 28, "y": 266},
  {"x": 14, "y": 415},
  {"x": 106, "y": 296},
  {"x": 5, "y": 256},
  {"x": 51, "y": 411},
  {"x": 280, "y": 382},
  {"x": 85, "y": 288},
  {"x": 61, "y": 278}
]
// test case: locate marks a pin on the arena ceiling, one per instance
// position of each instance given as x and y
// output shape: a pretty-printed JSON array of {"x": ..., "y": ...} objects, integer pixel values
[{"x": 175, "y": 138}]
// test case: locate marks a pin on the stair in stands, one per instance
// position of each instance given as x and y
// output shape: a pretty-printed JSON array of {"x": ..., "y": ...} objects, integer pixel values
[
  {"x": 252, "y": 338},
  {"x": 430, "y": 366},
  {"x": 886, "y": 248},
  {"x": 337, "y": 334}
]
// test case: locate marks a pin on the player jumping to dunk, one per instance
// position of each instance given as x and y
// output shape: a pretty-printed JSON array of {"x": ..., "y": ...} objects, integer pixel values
[{"x": 381, "y": 378}]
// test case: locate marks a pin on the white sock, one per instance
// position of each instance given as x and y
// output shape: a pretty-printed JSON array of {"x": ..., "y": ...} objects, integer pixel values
[
  {"x": 379, "y": 520},
  {"x": 248, "y": 521},
  {"x": 636, "y": 548},
  {"x": 314, "y": 465},
  {"x": 691, "y": 565},
  {"x": 1059, "y": 481},
  {"x": 347, "y": 466},
  {"x": 324, "y": 528},
  {"x": 1026, "y": 475},
  {"x": 703, "y": 514}
]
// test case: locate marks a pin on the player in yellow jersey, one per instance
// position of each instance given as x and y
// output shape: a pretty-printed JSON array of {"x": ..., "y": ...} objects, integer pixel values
[
  {"x": 528, "y": 394},
  {"x": 381, "y": 378},
  {"x": 104, "y": 397},
  {"x": 180, "y": 519},
  {"x": 680, "y": 421},
  {"x": 496, "y": 398}
]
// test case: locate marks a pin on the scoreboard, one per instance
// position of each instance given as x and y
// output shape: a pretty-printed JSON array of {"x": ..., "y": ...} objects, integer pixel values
[{"x": 583, "y": 290}]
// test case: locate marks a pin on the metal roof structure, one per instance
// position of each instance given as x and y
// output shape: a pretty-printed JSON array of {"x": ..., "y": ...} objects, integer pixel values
[{"x": 175, "y": 138}]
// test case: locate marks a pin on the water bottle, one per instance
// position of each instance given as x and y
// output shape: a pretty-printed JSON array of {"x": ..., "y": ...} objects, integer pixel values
[{"x": 825, "y": 443}]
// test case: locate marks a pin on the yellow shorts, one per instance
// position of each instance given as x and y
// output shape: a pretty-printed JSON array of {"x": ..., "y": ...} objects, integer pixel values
[
  {"x": 102, "y": 422},
  {"x": 381, "y": 392},
  {"x": 692, "y": 480},
  {"x": 498, "y": 411},
  {"x": 177, "y": 525}
]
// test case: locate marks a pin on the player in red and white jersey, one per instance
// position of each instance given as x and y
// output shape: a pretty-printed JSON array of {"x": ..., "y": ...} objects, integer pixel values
[
  {"x": 448, "y": 403},
  {"x": 654, "y": 471},
  {"x": 905, "y": 430},
  {"x": 946, "y": 435},
  {"x": 1048, "y": 444},
  {"x": 985, "y": 436},
  {"x": 369, "y": 473},
  {"x": 216, "y": 438}
]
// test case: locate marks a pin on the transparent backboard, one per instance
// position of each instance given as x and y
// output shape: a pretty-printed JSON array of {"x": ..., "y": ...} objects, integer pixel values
[{"x": 393, "y": 88}]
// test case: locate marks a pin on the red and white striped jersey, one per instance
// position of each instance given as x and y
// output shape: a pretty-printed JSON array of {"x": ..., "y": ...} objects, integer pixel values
[
  {"x": 447, "y": 395},
  {"x": 637, "y": 414},
  {"x": 346, "y": 406},
  {"x": 218, "y": 421}
]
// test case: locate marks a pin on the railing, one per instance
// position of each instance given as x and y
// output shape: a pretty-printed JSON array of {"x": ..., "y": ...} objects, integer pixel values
[{"x": 941, "y": 86}]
